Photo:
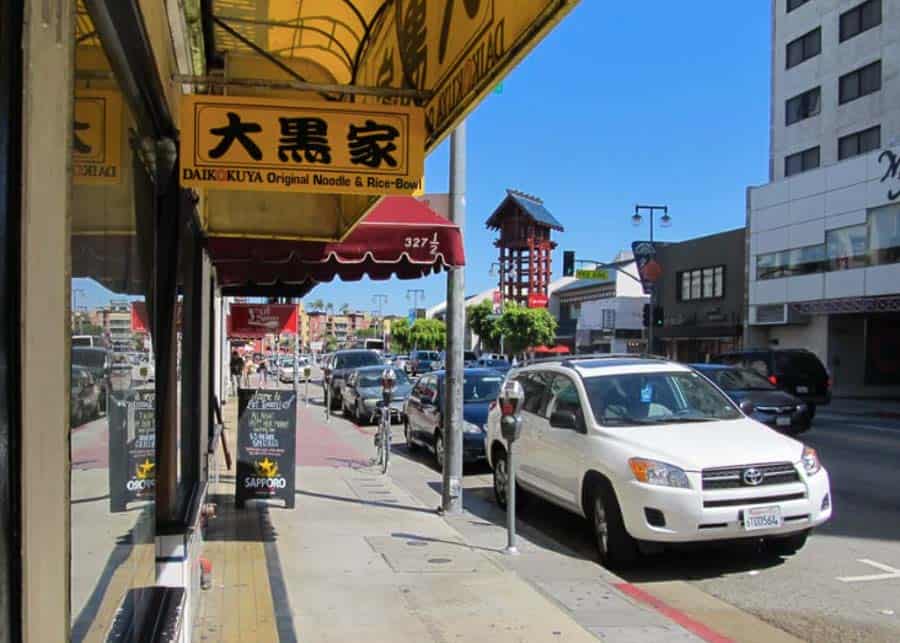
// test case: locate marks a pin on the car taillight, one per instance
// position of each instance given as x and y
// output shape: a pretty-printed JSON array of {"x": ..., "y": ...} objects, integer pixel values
[{"x": 773, "y": 380}]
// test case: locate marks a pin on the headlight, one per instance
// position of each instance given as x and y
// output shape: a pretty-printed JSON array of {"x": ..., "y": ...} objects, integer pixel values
[
  {"x": 468, "y": 427},
  {"x": 658, "y": 473},
  {"x": 801, "y": 408},
  {"x": 810, "y": 461}
]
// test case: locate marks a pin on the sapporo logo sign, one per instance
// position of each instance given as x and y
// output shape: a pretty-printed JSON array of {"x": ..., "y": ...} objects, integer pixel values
[
  {"x": 97, "y": 137},
  {"x": 266, "y": 476},
  {"x": 143, "y": 479},
  {"x": 236, "y": 143},
  {"x": 455, "y": 49}
]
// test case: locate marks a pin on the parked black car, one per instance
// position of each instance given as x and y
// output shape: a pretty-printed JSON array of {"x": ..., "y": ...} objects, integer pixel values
[
  {"x": 424, "y": 412},
  {"x": 339, "y": 366},
  {"x": 758, "y": 398},
  {"x": 362, "y": 393},
  {"x": 796, "y": 371}
]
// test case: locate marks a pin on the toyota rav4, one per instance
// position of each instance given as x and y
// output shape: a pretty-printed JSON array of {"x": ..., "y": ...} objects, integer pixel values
[{"x": 651, "y": 452}]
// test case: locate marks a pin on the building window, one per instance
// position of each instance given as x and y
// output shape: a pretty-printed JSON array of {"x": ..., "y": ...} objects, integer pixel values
[
  {"x": 790, "y": 263},
  {"x": 859, "y": 142},
  {"x": 865, "y": 80},
  {"x": 801, "y": 161},
  {"x": 847, "y": 247},
  {"x": 793, "y": 4},
  {"x": 860, "y": 18},
  {"x": 803, "y": 106},
  {"x": 804, "y": 47},
  {"x": 884, "y": 235},
  {"x": 702, "y": 283}
]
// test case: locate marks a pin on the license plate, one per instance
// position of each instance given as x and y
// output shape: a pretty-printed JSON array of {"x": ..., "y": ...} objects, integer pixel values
[
  {"x": 783, "y": 420},
  {"x": 802, "y": 389},
  {"x": 762, "y": 518}
]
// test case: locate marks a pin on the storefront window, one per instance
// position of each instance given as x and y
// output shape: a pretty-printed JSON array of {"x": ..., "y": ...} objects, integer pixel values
[
  {"x": 847, "y": 248},
  {"x": 884, "y": 235},
  {"x": 112, "y": 416}
]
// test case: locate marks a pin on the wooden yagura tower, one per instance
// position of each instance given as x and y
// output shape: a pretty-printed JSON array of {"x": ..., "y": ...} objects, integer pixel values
[{"x": 526, "y": 263}]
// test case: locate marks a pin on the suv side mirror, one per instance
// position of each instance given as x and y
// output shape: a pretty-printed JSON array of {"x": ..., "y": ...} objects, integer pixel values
[{"x": 566, "y": 420}]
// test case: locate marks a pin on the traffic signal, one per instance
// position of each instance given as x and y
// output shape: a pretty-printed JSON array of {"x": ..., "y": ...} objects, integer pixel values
[
  {"x": 568, "y": 263},
  {"x": 658, "y": 316},
  {"x": 646, "y": 315}
]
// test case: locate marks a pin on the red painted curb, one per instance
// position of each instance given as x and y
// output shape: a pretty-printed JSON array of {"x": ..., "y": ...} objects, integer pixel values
[{"x": 685, "y": 621}]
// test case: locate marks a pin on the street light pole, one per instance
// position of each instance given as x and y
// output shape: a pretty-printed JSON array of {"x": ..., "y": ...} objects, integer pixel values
[
  {"x": 379, "y": 300},
  {"x": 665, "y": 221}
]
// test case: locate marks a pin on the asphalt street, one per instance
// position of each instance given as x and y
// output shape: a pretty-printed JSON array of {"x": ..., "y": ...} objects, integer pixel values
[{"x": 843, "y": 586}]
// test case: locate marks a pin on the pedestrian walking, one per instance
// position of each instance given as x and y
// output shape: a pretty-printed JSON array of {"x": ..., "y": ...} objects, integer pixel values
[
  {"x": 237, "y": 370},
  {"x": 263, "y": 370}
]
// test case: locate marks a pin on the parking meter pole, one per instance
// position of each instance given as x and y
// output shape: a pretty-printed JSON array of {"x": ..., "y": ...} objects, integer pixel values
[{"x": 511, "y": 504}]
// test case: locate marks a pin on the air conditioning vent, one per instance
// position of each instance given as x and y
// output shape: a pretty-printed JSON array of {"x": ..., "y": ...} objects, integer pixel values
[{"x": 771, "y": 314}]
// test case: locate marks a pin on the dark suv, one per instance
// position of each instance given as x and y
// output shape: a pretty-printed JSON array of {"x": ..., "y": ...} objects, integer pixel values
[{"x": 797, "y": 371}]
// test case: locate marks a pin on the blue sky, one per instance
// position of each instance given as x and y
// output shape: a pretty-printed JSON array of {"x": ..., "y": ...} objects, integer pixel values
[{"x": 667, "y": 104}]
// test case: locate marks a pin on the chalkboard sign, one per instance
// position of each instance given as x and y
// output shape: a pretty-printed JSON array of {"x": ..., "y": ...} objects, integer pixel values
[
  {"x": 132, "y": 447},
  {"x": 266, "y": 456}
]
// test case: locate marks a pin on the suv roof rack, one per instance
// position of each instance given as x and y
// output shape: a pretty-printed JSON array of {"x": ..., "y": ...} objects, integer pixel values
[{"x": 570, "y": 360}]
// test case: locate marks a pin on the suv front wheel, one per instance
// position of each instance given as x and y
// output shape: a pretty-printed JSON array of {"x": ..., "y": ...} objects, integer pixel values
[{"x": 616, "y": 549}]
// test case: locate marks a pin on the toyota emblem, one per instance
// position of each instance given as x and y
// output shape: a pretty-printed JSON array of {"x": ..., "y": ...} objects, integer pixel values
[{"x": 753, "y": 477}]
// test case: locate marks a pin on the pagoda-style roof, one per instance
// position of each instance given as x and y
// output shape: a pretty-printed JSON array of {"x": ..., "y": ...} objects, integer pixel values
[{"x": 527, "y": 205}]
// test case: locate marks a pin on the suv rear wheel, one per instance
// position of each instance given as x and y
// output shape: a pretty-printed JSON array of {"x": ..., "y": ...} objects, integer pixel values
[{"x": 616, "y": 549}]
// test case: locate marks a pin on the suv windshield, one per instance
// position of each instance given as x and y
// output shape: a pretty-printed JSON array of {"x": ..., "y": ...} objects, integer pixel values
[
  {"x": 355, "y": 360},
  {"x": 738, "y": 379},
  {"x": 656, "y": 398},
  {"x": 481, "y": 387},
  {"x": 372, "y": 379},
  {"x": 427, "y": 355}
]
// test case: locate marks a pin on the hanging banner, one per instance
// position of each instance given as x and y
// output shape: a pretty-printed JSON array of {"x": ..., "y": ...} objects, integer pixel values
[
  {"x": 266, "y": 456},
  {"x": 132, "y": 448},
  {"x": 97, "y": 137},
  {"x": 251, "y": 144},
  {"x": 538, "y": 300},
  {"x": 648, "y": 268},
  {"x": 259, "y": 320},
  {"x": 458, "y": 51}
]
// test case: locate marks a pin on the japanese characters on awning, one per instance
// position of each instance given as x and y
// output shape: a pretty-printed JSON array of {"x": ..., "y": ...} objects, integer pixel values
[{"x": 401, "y": 237}]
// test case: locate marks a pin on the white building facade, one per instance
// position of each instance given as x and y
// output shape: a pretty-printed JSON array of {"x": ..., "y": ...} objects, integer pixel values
[{"x": 824, "y": 234}]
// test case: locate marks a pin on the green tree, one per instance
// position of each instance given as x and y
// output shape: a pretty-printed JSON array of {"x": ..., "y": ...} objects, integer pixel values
[
  {"x": 330, "y": 343},
  {"x": 317, "y": 305},
  {"x": 370, "y": 332},
  {"x": 344, "y": 309},
  {"x": 485, "y": 324},
  {"x": 428, "y": 334},
  {"x": 400, "y": 335},
  {"x": 523, "y": 328}
]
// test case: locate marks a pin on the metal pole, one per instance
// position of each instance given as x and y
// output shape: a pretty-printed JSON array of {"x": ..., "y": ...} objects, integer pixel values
[
  {"x": 511, "y": 502},
  {"x": 451, "y": 493},
  {"x": 296, "y": 362}
]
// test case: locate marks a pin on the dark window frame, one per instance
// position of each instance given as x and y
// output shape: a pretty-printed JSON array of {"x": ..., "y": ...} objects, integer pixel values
[
  {"x": 802, "y": 155},
  {"x": 810, "y": 46},
  {"x": 679, "y": 283},
  {"x": 808, "y": 107},
  {"x": 851, "y": 85},
  {"x": 858, "y": 139},
  {"x": 857, "y": 20},
  {"x": 791, "y": 5}
]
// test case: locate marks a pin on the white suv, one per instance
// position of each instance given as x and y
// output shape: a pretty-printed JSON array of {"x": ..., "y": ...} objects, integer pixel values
[{"x": 651, "y": 452}]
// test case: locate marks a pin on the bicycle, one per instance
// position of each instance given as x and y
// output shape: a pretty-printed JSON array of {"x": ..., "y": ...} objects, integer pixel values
[{"x": 383, "y": 438}]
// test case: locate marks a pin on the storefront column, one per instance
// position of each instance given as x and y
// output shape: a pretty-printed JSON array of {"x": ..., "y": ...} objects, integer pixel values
[{"x": 45, "y": 265}]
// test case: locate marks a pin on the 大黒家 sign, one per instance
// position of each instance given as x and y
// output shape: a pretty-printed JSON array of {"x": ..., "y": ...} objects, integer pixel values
[
  {"x": 245, "y": 143},
  {"x": 266, "y": 455},
  {"x": 97, "y": 137}
]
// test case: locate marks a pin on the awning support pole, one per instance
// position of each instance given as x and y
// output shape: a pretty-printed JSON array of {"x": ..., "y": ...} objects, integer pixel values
[{"x": 452, "y": 492}]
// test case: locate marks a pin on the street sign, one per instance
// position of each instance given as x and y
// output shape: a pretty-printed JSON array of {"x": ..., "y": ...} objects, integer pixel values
[
  {"x": 594, "y": 273},
  {"x": 537, "y": 300},
  {"x": 279, "y": 145}
]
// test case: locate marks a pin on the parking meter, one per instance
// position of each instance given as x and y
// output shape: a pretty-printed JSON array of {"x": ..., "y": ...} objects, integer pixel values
[
  {"x": 511, "y": 398},
  {"x": 388, "y": 380},
  {"x": 307, "y": 371}
]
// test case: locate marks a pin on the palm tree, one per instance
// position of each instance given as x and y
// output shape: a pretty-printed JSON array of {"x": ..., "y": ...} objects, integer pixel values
[
  {"x": 345, "y": 308},
  {"x": 316, "y": 304}
]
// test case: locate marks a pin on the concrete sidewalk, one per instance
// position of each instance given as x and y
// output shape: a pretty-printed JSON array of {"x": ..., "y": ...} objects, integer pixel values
[{"x": 360, "y": 558}]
